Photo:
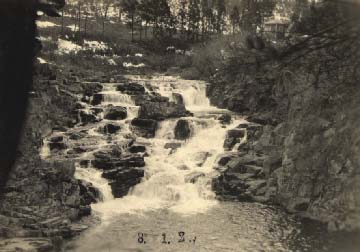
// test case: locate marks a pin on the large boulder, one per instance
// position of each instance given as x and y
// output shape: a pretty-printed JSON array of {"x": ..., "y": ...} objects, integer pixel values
[
  {"x": 224, "y": 119},
  {"x": 110, "y": 128},
  {"x": 111, "y": 159},
  {"x": 131, "y": 88},
  {"x": 233, "y": 137},
  {"x": 144, "y": 127},
  {"x": 137, "y": 149},
  {"x": 96, "y": 99},
  {"x": 182, "y": 130},
  {"x": 178, "y": 99},
  {"x": 87, "y": 117},
  {"x": 91, "y": 88},
  {"x": 162, "y": 110},
  {"x": 57, "y": 143},
  {"x": 88, "y": 193},
  {"x": 122, "y": 179},
  {"x": 116, "y": 113}
]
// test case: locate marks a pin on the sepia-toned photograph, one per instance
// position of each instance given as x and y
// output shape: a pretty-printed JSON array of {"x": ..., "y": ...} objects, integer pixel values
[{"x": 179, "y": 125}]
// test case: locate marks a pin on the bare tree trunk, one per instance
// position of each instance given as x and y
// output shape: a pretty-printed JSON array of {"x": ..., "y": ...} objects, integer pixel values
[
  {"x": 103, "y": 27},
  {"x": 141, "y": 29},
  {"x": 62, "y": 23},
  {"x": 119, "y": 20},
  {"x": 85, "y": 25},
  {"x": 132, "y": 26},
  {"x": 79, "y": 18},
  {"x": 146, "y": 29}
]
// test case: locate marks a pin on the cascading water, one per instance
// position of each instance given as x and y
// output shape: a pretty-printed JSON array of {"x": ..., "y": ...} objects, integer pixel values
[
  {"x": 175, "y": 194},
  {"x": 168, "y": 173}
]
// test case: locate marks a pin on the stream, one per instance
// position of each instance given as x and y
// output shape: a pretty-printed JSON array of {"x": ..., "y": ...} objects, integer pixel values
[{"x": 173, "y": 207}]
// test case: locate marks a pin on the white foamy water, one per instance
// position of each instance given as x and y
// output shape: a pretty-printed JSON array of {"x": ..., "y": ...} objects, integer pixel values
[
  {"x": 168, "y": 172},
  {"x": 165, "y": 202},
  {"x": 94, "y": 177}
]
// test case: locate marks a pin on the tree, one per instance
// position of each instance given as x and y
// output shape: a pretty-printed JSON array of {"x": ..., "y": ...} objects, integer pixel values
[
  {"x": 194, "y": 18},
  {"x": 144, "y": 10},
  {"x": 220, "y": 9},
  {"x": 102, "y": 8},
  {"x": 130, "y": 7},
  {"x": 206, "y": 16},
  {"x": 182, "y": 14},
  {"x": 235, "y": 18}
]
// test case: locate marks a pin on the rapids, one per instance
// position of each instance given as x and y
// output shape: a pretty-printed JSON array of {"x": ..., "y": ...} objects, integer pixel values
[{"x": 165, "y": 203}]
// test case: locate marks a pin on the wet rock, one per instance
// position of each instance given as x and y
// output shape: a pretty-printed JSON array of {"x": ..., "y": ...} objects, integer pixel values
[
  {"x": 91, "y": 88},
  {"x": 162, "y": 110},
  {"x": 111, "y": 128},
  {"x": 255, "y": 186},
  {"x": 77, "y": 150},
  {"x": 144, "y": 127},
  {"x": 116, "y": 113},
  {"x": 194, "y": 177},
  {"x": 107, "y": 161},
  {"x": 76, "y": 228},
  {"x": 97, "y": 111},
  {"x": 235, "y": 133},
  {"x": 229, "y": 143},
  {"x": 88, "y": 193},
  {"x": 178, "y": 99},
  {"x": 182, "y": 130},
  {"x": 122, "y": 179},
  {"x": 57, "y": 146},
  {"x": 224, "y": 160},
  {"x": 97, "y": 99},
  {"x": 172, "y": 146},
  {"x": 84, "y": 211},
  {"x": 84, "y": 163},
  {"x": 137, "y": 149},
  {"x": 183, "y": 167},
  {"x": 254, "y": 132},
  {"x": 225, "y": 119},
  {"x": 131, "y": 88},
  {"x": 87, "y": 117},
  {"x": 243, "y": 126},
  {"x": 76, "y": 136},
  {"x": 56, "y": 139}
]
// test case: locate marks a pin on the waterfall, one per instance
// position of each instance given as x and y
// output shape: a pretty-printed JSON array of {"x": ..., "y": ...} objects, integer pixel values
[
  {"x": 177, "y": 177},
  {"x": 94, "y": 177}
]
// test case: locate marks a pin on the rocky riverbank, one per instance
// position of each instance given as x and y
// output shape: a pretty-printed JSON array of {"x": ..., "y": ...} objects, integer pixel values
[
  {"x": 302, "y": 151},
  {"x": 75, "y": 121}
]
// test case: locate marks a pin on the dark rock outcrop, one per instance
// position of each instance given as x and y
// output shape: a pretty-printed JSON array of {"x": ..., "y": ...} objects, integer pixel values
[
  {"x": 87, "y": 117},
  {"x": 306, "y": 137},
  {"x": 122, "y": 179},
  {"x": 116, "y": 113},
  {"x": 111, "y": 128},
  {"x": 137, "y": 149},
  {"x": 96, "y": 99},
  {"x": 178, "y": 99},
  {"x": 144, "y": 127},
  {"x": 131, "y": 88},
  {"x": 225, "y": 119},
  {"x": 182, "y": 130},
  {"x": 162, "y": 110},
  {"x": 110, "y": 159}
]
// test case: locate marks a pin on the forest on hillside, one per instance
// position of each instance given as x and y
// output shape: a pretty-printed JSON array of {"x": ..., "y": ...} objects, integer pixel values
[{"x": 194, "y": 20}]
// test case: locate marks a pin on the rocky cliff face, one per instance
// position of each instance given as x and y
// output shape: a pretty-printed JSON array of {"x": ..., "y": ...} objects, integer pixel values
[
  {"x": 309, "y": 136},
  {"x": 42, "y": 198}
]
